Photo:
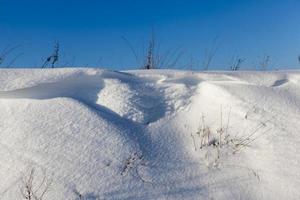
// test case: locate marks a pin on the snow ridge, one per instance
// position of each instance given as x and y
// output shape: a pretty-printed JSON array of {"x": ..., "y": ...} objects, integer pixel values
[{"x": 129, "y": 135}]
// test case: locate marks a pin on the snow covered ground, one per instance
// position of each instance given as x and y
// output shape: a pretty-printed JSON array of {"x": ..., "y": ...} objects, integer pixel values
[{"x": 159, "y": 134}]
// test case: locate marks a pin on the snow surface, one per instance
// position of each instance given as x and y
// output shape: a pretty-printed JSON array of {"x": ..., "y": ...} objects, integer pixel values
[{"x": 133, "y": 135}]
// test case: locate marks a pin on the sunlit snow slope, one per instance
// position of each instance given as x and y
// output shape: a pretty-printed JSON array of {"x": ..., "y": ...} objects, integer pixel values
[{"x": 98, "y": 134}]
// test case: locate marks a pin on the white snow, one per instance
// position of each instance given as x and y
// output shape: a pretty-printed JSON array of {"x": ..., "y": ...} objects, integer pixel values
[{"x": 133, "y": 135}]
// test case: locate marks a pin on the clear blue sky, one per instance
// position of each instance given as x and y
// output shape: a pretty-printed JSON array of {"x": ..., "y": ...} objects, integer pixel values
[{"x": 90, "y": 32}]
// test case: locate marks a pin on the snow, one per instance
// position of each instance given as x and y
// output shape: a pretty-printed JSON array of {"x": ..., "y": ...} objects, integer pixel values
[{"x": 137, "y": 134}]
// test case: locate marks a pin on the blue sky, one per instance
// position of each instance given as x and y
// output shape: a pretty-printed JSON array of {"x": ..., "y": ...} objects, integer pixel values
[{"x": 90, "y": 32}]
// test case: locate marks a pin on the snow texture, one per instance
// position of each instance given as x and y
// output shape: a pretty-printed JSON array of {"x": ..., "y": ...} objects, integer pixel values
[{"x": 99, "y": 134}]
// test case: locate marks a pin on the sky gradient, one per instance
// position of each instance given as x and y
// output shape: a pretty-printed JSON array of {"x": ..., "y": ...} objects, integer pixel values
[{"x": 90, "y": 32}]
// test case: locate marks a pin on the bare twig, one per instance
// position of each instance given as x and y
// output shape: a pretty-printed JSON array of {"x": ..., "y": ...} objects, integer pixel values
[
  {"x": 53, "y": 58},
  {"x": 210, "y": 54},
  {"x": 6, "y": 51},
  {"x": 152, "y": 57},
  {"x": 265, "y": 62},
  {"x": 30, "y": 191},
  {"x": 132, "y": 49},
  {"x": 194, "y": 142},
  {"x": 236, "y": 63},
  {"x": 14, "y": 60},
  {"x": 250, "y": 140}
]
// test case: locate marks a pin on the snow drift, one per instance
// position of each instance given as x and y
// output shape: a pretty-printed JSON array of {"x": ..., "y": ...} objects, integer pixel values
[{"x": 99, "y": 134}]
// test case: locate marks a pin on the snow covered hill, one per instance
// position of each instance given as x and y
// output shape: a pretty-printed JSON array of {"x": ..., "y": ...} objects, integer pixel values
[{"x": 157, "y": 134}]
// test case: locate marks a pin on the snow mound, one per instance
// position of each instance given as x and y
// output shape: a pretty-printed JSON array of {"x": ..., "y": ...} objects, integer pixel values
[{"x": 155, "y": 134}]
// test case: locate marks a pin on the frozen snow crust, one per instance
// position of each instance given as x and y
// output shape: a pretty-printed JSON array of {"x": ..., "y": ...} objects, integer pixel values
[{"x": 103, "y": 134}]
